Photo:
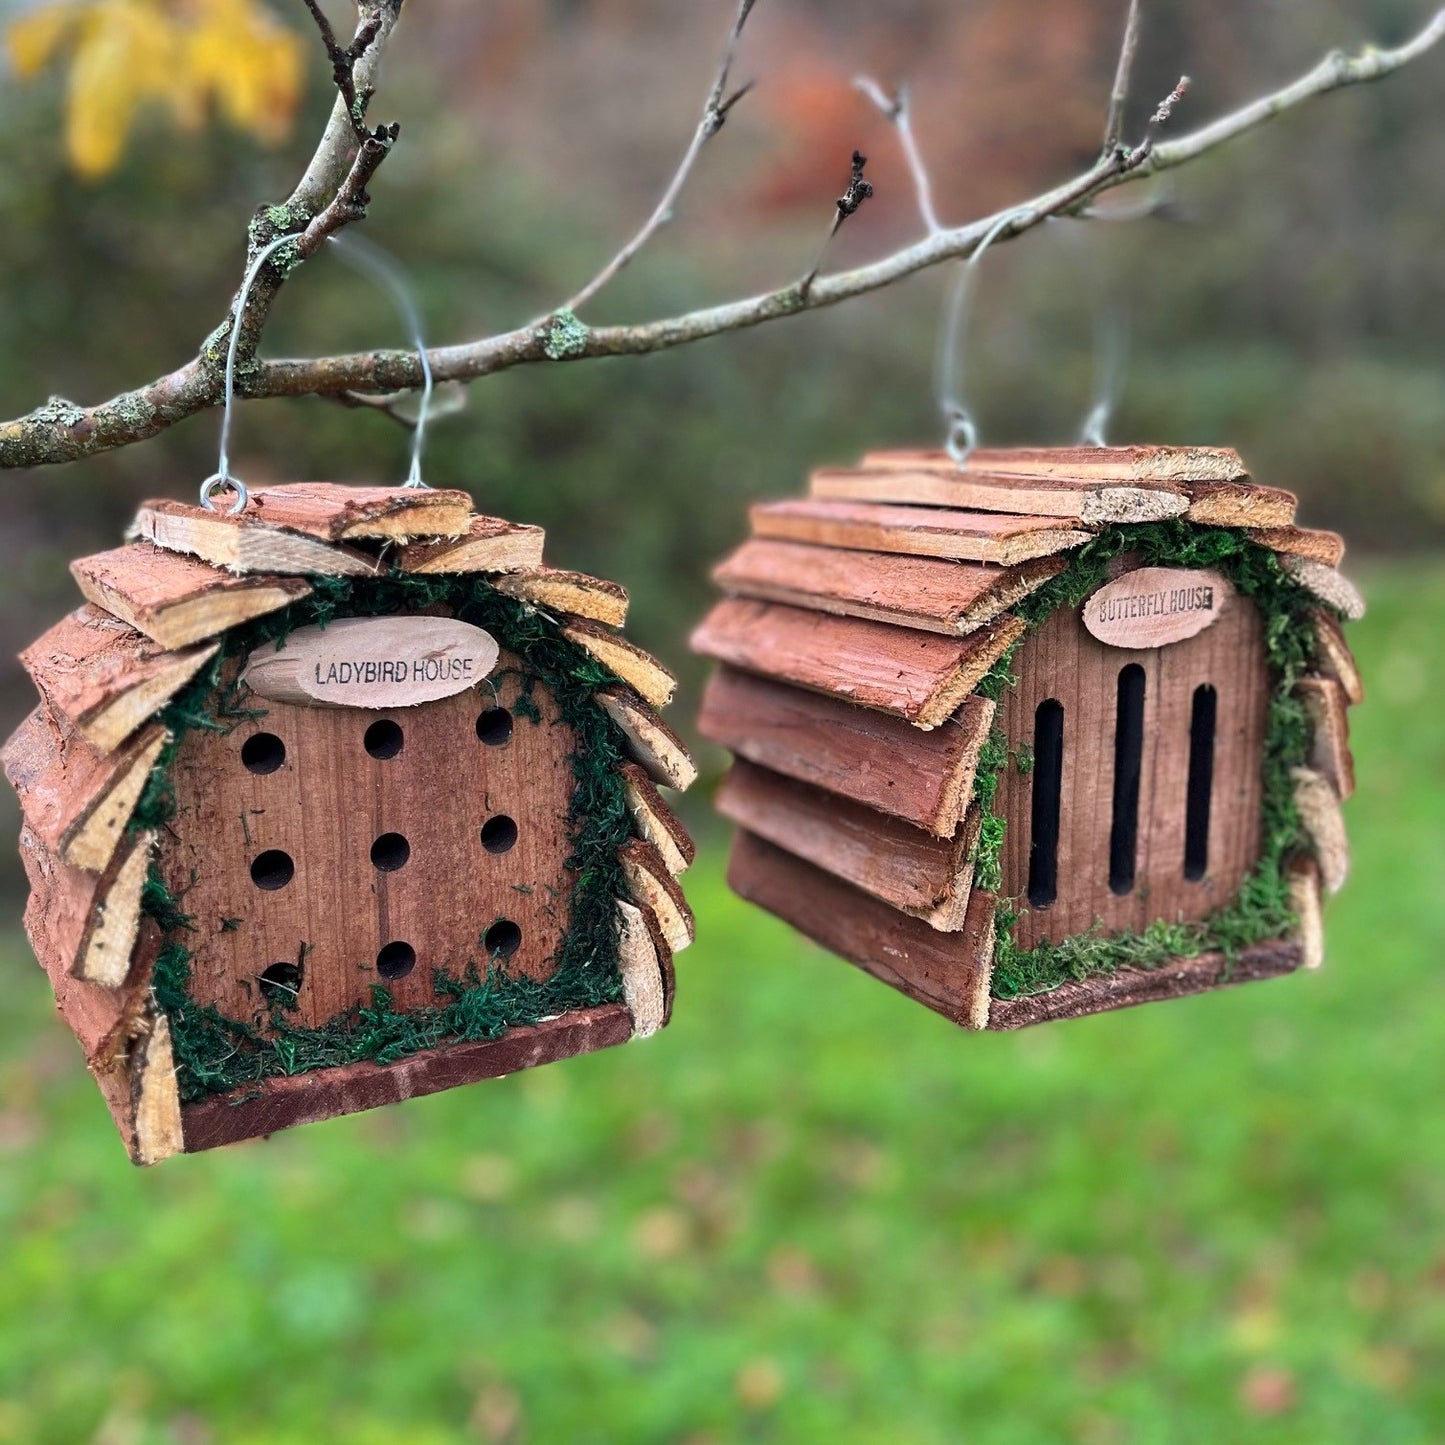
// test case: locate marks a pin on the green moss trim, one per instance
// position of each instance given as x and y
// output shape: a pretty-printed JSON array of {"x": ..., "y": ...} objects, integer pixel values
[
  {"x": 1260, "y": 911},
  {"x": 215, "y": 1054}
]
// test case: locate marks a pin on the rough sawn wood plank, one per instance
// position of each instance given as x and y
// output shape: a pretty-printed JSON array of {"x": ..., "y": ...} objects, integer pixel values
[{"x": 919, "y": 676}]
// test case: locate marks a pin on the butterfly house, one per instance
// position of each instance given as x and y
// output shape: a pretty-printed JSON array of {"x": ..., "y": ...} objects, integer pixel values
[
  {"x": 340, "y": 800},
  {"x": 1052, "y": 732}
]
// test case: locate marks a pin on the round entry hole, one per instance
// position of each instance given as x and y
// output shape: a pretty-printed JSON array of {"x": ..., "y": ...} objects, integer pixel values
[
  {"x": 281, "y": 983},
  {"x": 502, "y": 939},
  {"x": 383, "y": 739},
  {"x": 494, "y": 727},
  {"x": 396, "y": 960},
  {"x": 390, "y": 852},
  {"x": 499, "y": 834},
  {"x": 272, "y": 869},
  {"x": 263, "y": 753}
]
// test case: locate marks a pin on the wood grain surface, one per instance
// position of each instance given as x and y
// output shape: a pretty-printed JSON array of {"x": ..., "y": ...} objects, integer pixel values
[
  {"x": 1062, "y": 661},
  {"x": 1213, "y": 479},
  {"x": 930, "y": 593},
  {"x": 949, "y": 972},
  {"x": 1328, "y": 584},
  {"x": 1303, "y": 873},
  {"x": 85, "y": 924},
  {"x": 939, "y": 485},
  {"x": 177, "y": 599},
  {"x": 102, "y": 676},
  {"x": 887, "y": 858},
  {"x": 1319, "y": 809},
  {"x": 640, "y": 670},
  {"x": 1335, "y": 658},
  {"x": 245, "y": 544},
  {"x": 649, "y": 740},
  {"x": 1327, "y": 548},
  {"x": 332, "y": 512},
  {"x": 920, "y": 676},
  {"x": 572, "y": 594},
  {"x": 326, "y": 806},
  {"x": 1143, "y": 465},
  {"x": 75, "y": 798},
  {"x": 642, "y": 986},
  {"x": 656, "y": 822},
  {"x": 155, "y": 1096},
  {"x": 654, "y": 889},
  {"x": 925, "y": 778},
  {"x": 284, "y": 1103},
  {"x": 1327, "y": 703},
  {"x": 488, "y": 544},
  {"x": 915, "y": 531}
]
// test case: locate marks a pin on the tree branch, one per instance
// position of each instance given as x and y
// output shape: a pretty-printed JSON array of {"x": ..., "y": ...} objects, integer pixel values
[
  {"x": 343, "y": 63},
  {"x": 896, "y": 111},
  {"x": 61, "y": 431},
  {"x": 859, "y": 190},
  {"x": 1119, "y": 96},
  {"x": 714, "y": 115},
  {"x": 333, "y": 156}
]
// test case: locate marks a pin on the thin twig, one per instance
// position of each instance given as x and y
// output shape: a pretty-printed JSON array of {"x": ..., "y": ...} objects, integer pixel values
[
  {"x": 859, "y": 190},
  {"x": 343, "y": 60},
  {"x": 715, "y": 112},
  {"x": 1165, "y": 109},
  {"x": 1119, "y": 96},
  {"x": 388, "y": 405},
  {"x": 897, "y": 112},
  {"x": 61, "y": 431},
  {"x": 333, "y": 155}
]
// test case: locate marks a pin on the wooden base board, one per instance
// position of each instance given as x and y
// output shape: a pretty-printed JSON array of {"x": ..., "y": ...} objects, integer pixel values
[
  {"x": 1131, "y": 986},
  {"x": 950, "y": 973},
  {"x": 253, "y": 1111}
]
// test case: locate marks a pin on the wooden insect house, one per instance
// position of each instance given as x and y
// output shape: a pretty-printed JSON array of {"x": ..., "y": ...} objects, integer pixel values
[
  {"x": 341, "y": 800},
  {"x": 1048, "y": 733}
]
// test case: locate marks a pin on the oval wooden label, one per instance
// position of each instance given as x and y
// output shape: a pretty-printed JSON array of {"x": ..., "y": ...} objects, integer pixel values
[
  {"x": 1154, "y": 606},
  {"x": 373, "y": 662}
]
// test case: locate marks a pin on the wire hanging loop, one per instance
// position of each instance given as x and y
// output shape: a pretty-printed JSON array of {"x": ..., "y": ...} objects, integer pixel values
[
  {"x": 222, "y": 478},
  {"x": 386, "y": 271},
  {"x": 961, "y": 435}
]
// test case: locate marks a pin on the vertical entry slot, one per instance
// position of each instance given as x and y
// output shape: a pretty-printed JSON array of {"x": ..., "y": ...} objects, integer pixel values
[
  {"x": 1128, "y": 764},
  {"x": 1047, "y": 791},
  {"x": 1201, "y": 781}
]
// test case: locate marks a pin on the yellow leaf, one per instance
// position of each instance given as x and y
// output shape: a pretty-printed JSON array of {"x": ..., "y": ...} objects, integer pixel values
[
  {"x": 124, "y": 55},
  {"x": 34, "y": 38},
  {"x": 251, "y": 64},
  {"x": 187, "y": 55}
]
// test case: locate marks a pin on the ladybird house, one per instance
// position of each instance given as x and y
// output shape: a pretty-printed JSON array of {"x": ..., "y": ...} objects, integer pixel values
[
  {"x": 342, "y": 800},
  {"x": 1049, "y": 733}
]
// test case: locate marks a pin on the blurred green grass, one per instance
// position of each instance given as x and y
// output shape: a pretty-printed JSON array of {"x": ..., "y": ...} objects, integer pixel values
[{"x": 811, "y": 1210}]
